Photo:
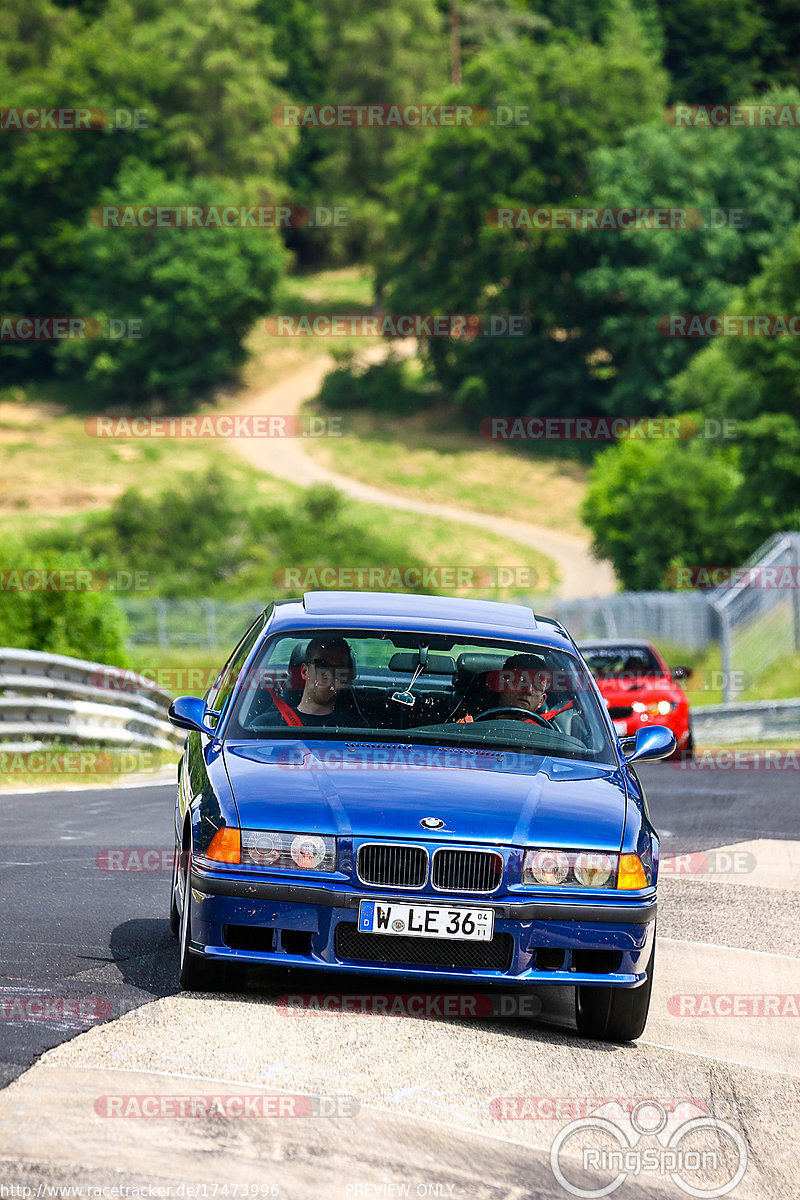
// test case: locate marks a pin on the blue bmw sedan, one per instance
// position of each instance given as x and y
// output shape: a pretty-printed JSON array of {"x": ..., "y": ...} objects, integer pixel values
[{"x": 416, "y": 787}]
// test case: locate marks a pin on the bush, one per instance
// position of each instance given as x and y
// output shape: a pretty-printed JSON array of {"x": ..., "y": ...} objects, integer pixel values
[
  {"x": 386, "y": 387},
  {"x": 82, "y": 623}
]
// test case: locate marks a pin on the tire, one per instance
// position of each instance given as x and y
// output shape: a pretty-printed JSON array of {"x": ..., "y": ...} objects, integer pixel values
[
  {"x": 197, "y": 974},
  {"x": 610, "y": 1014},
  {"x": 174, "y": 914},
  {"x": 687, "y": 753}
]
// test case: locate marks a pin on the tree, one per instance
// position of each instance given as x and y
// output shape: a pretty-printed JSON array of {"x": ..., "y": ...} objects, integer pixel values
[
  {"x": 195, "y": 291},
  {"x": 637, "y": 277},
  {"x": 443, "y": 255},
  {"x": 656, "y": 504},
  {"x": 202, "y": 76}
]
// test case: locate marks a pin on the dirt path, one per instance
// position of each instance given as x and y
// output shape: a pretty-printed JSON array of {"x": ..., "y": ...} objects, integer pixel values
[{"x": 286, "y": 458}]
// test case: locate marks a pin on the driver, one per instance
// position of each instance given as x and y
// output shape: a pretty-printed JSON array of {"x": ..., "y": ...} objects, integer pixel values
[
  {"x": 521, "y": 684},
  {"x": 326, "y": 671}
]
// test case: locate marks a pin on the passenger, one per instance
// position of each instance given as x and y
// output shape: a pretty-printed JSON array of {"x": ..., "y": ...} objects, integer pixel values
[{"x": 327, "y": 672}]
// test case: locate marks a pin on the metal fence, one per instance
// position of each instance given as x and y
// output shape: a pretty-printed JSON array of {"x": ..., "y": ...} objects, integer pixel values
[
  {"x": 207, "y": 624},
  {"x": 759, "y": 611},
  {"x": 755, "y": 617},
  {"x": 685, "y": 619}
]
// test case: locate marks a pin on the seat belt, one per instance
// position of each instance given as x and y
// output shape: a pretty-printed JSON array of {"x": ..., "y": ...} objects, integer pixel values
[
  {"x": 548, "y": 716},
  {"x": 288, "y": 713}
]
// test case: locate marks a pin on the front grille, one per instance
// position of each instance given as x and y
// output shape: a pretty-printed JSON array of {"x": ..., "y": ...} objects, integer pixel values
[
  {"x": 392, "y": 866},
  {"x": 350, "y": 944},
  {"x": 467, "y": 870},
  {"x": 623, "y": 710}
]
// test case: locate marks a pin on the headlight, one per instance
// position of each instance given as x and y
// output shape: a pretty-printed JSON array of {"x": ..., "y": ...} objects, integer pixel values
[
  {"x": 288, "y": 851},
  {"x": 545, "y": 866},
  {"x": 581, "y": 868},
  {"x": 655, "y": 710}
]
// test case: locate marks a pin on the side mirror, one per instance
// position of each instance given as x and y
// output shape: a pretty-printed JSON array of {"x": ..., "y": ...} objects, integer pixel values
[
  {"x": 679, "y": 673},
  {"x": 190, "y": 712},
  {"x": 651, "y": 743}
]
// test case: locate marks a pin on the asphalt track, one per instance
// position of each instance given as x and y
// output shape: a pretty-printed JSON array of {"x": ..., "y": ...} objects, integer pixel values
[{"x": 390, "y": 1105}]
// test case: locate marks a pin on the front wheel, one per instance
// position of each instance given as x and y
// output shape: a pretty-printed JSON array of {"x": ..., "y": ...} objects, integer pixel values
[
  {"x": 612, "y": 1014},
  {"x": 197, "y": 974}
]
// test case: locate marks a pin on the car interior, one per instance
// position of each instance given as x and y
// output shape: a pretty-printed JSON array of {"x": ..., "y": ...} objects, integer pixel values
[{"x": 400, "y": 689}]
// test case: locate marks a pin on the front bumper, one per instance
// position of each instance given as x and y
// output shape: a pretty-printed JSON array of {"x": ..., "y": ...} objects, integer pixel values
[{"x": 295, "y": 925}]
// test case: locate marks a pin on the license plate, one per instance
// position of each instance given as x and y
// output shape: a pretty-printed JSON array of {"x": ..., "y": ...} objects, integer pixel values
[
  {"x": 621, "y": 727},
  {"x": 419, "y": 920}
]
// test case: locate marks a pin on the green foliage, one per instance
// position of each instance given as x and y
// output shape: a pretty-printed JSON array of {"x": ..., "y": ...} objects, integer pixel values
[
  {"x": 386, "y": 387},
  {"x": 84, "y": 623},
  {"x": 656, "y": 504},
  {"x": 198, "y": 291},
  {"x": 201, "y": 78},
  {"x": 442, "y": 254},
  {"x": 639, "y": 276},
  {"x": 754, "y": 384},
  {"x": 209, "y": 536},
  {"x": 720, "y": 50}
]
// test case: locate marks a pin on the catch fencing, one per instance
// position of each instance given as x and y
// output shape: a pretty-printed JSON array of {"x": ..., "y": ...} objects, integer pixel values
[{"x": 756, "y": 624}]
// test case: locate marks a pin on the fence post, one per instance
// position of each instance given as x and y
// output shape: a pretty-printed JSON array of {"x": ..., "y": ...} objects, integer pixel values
[
  {"x": 211, "y": 624},
  {"x": 795, "y": 544},
  {"x": 161, "y": 624}
]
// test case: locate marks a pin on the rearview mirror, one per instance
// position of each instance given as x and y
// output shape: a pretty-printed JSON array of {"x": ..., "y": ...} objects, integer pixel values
[
  {"x": 679, "y": 673},
  {"x": 650, "y": 744},
  {"x": 190, "y": 712}
]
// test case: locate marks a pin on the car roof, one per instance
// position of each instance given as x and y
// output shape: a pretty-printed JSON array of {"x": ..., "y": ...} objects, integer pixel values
[{"x": 416, "y": 613}]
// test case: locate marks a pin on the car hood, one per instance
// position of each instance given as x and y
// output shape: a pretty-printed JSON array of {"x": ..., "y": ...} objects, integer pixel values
[{"x": 386, "y": 790}]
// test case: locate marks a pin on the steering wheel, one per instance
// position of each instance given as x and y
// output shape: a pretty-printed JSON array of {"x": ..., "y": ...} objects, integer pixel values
[{"x": 521, "y": 714}]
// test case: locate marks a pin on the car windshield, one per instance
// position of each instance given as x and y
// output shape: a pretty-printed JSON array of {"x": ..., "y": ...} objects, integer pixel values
[
  {"x": 406, "y": 687},
  {"x": 607, "y": 662}
]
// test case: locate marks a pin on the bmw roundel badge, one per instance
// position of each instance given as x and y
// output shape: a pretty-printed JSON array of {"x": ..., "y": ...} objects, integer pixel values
[{"x": 431, "y": 823}]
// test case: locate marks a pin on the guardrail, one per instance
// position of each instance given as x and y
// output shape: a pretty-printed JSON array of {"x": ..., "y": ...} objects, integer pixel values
[
  {"x": 757, "y": 721},
  {"x": 51, "y": 697}
]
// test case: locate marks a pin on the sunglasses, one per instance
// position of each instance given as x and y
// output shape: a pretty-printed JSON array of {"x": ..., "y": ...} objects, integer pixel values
[{"x": 322, "y": 664}]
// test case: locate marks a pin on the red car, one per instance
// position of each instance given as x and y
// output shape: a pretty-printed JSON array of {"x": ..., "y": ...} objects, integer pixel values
[{"x": 639, "y": 688}]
